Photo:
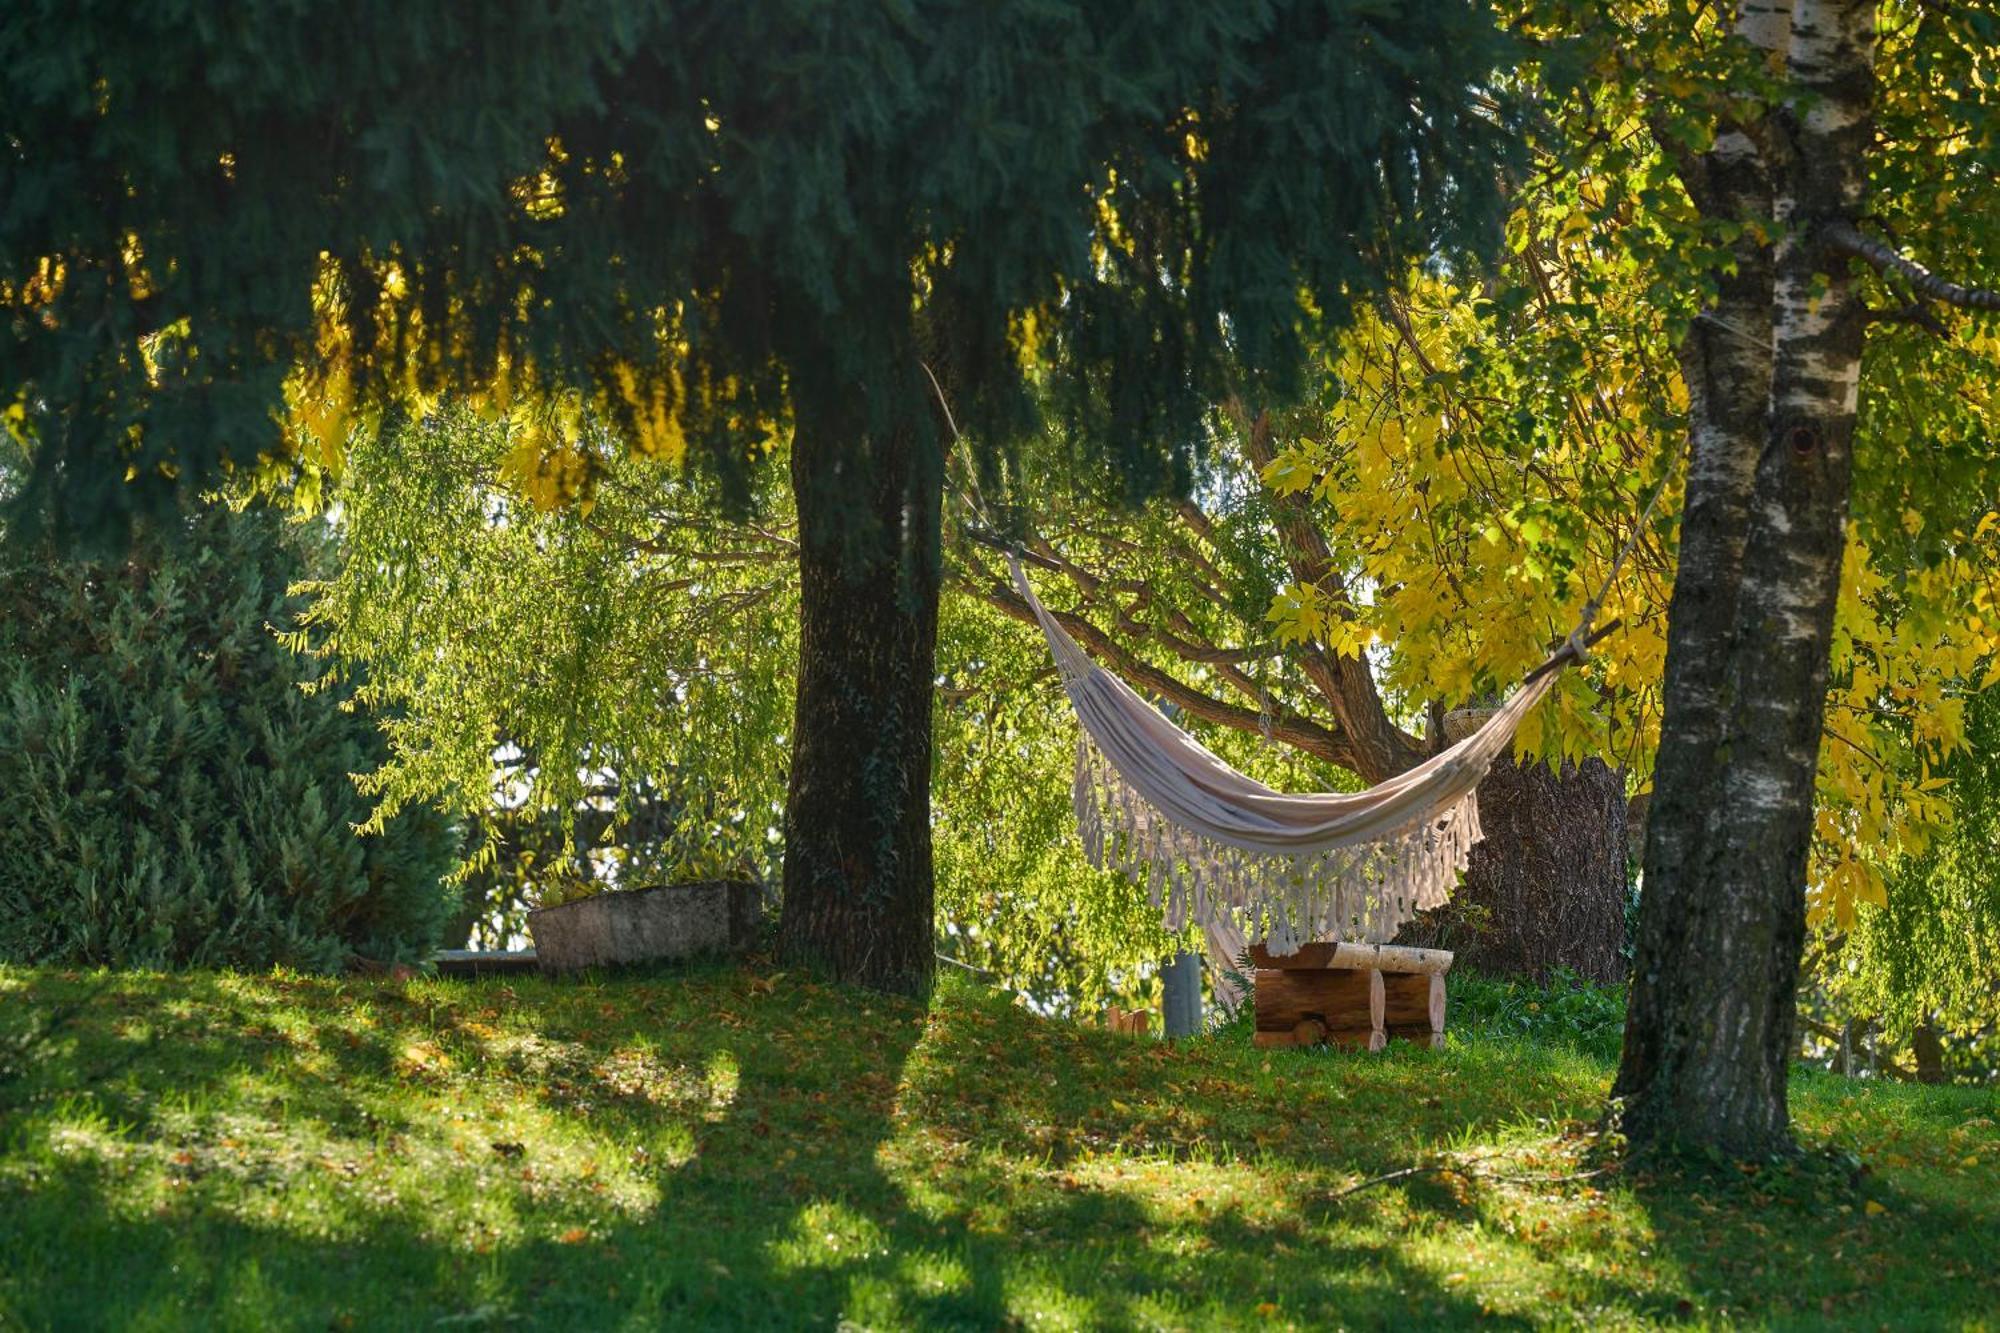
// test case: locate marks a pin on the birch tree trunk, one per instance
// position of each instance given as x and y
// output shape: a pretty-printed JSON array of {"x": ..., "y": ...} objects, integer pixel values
[{"x": 1773, "y": 372}]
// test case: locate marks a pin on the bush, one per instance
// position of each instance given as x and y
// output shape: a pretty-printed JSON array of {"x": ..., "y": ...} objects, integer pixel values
[
  {"x": 173, "y": 797},
  {"x": 1567, "y": 1010}
]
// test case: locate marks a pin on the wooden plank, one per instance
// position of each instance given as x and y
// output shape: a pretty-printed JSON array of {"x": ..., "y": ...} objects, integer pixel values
[
  {"x": 1383, "y": 957},
  {"x": 482, "y": 962},
  {"x": 1133, "y": 1021}
]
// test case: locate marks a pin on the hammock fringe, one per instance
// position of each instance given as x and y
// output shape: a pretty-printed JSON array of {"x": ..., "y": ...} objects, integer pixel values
[
  {"x": 1287, "y": 899},
  {"x": 1213, "y": 846}
]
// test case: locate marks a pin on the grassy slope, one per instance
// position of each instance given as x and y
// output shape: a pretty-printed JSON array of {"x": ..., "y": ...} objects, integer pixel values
[{"x": 725, "y": 1148}]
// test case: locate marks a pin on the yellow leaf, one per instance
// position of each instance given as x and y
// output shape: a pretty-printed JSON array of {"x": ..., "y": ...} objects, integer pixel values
[{"x": 1873, "y": 1209}]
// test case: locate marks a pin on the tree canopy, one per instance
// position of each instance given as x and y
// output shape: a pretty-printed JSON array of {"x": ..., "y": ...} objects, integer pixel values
[
  {"x": 692, "y": 217},
  {"x": 712, "y": 227}
]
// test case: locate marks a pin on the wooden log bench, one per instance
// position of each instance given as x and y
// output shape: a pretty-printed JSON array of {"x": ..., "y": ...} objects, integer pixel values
[{"x": 1357, "y": 995}]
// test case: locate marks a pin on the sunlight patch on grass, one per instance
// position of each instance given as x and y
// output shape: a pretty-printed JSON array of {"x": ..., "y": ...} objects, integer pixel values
[
  {"x": 725, "y": 1077},
  {"x": 931, "y": 1274},
  {"x": 829, "y": 1235},
  {"x": 720, "y": 1149}
]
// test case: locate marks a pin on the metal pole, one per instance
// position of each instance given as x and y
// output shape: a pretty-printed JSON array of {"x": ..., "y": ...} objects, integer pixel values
[
  {"x": 1181, "y": 1002},
  {"x": 1181, "y": 974}
]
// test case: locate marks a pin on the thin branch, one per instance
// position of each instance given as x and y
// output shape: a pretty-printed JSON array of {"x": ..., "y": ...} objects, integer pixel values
[
  {"x": 1842, "y": 238},
  {"x": 1916, "y": 312},
  {"x": 1346, "y": 683},
  {"x": 1390, "y": 1177},
  {"x": 1296, "y": 732},
  {"x": 1468, "y": 1171}
]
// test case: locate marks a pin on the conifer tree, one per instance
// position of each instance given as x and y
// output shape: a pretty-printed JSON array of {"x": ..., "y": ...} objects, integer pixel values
[
  {"x": 174, "y": 798},
  {"x": 714, "y": 223}
]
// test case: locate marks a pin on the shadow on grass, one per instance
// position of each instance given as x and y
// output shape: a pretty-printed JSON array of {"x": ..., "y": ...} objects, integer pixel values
[
  {"x": 870, "y": 1161},
  {"x": 721, "y": 1148}
]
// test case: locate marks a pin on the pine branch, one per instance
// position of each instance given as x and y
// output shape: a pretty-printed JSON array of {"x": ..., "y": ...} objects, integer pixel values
[{"x": 1842, "y": 238}]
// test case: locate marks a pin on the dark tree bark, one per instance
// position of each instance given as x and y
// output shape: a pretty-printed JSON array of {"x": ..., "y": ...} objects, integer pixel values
[
  {"x": 1927, "y": 1050},
  {"x": 1546, "y": 889},
  {"x": 1710, "y": 1028},
  {"x": 859, "y": 894}
]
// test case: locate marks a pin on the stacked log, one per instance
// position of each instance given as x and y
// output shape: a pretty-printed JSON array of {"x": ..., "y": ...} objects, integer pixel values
[{"x": 1355, "y": 995}]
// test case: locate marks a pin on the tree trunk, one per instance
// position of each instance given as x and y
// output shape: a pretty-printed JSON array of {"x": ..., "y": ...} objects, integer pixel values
[
  {"x": 1927, "y": 1052},
  {"x": 1546, "y": 889},
  {"x": 1709, "y": 1030},
  {"x": 858, "y": 890}
]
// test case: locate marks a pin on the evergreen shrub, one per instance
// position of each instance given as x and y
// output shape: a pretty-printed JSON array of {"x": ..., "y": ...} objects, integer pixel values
[{"x": 172, "y": 796}]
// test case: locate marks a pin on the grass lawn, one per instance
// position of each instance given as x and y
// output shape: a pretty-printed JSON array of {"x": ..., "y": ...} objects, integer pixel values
[{"x": 737, "y": 1148}]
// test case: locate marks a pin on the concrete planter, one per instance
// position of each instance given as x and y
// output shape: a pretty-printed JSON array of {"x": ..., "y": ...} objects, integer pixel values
[{"x": 647, "y": 925}]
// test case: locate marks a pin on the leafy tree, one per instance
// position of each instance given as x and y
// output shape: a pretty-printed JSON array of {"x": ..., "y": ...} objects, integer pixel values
[
  {"x": 649, "y": 637},
  {"x": 1925, "y": 963},
  {"x": 713, "y": 223},
  {"x": 175, "y": 797},
  {"x": 1234, "y": 606},
  {"x": 587, "y": 683},
  {"x": 1488, "y": 448},
  {"x": 1798, "y": 134},
  {"x": 587, "y": 663}
]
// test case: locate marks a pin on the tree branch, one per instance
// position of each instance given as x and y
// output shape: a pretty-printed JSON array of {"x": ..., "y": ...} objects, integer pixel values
[
  {"x": 1296, "y": 732},
  {"x": 1842, "y": 238},
  {"x": 1381, "y": 748},
  {"x": 1916, "y": 312}
]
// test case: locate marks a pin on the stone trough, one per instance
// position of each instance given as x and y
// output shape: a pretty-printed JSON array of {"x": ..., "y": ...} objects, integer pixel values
[{"x": 661, "y": 924}]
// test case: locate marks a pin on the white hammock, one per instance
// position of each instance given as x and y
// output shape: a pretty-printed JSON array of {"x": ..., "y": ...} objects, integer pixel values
[{"x": 1247, "y": 862}]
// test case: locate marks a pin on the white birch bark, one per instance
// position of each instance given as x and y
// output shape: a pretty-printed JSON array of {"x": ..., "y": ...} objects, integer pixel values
[{"x": 1710, "y": 1033}]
